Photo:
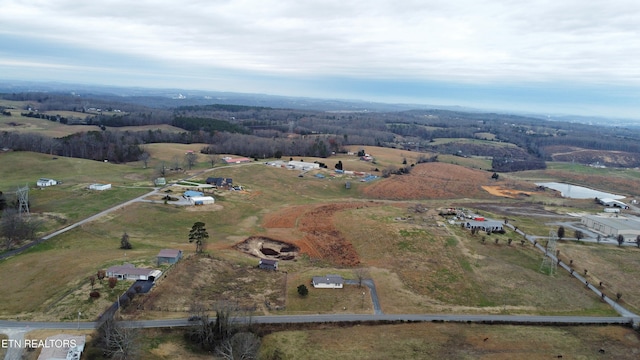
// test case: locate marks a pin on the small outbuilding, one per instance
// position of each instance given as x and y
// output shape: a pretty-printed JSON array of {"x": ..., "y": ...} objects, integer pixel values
[
  {"x": 169, "y": 256},
  {"x": 43, "y": 182},
  {"x": 328, "y": 282},
  {"x": 268, "y": 264},
  {"x": 100, "y": 187},
  {"x": 160, "y": 181}
]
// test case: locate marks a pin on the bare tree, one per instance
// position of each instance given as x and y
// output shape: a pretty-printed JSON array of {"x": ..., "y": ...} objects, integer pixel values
[
  {"x": 361, "y": 274},
  {"x": 190, "y": 158},
  {"x": 560, "y": 232},
  {"x": 578, "y": 235},
  {"x": 620, "y": 239},
  {"x": 241, "y": 346},
  {"x": 214, "y": 159},
  {"x": 116, "y": 341},
  {"x": 15, "y": 228},
  {"x": 144, "y": 157},
  {"x": 638, "y": 241}
]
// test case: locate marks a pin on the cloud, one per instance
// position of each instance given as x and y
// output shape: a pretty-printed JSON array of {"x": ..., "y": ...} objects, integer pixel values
[{"x": 462, "y": 41}]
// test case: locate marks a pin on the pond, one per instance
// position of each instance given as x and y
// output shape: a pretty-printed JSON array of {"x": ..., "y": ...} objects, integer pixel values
[{"x": 579, "y": 192}]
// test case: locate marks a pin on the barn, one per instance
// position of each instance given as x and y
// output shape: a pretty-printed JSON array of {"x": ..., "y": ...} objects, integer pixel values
[
  {"x": 328, "y": 282},
  {"x": 613, "y": 203},
  {"x": 201, "y": 200}
]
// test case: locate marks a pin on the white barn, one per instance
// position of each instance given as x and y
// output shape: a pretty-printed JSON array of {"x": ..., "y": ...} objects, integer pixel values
[
  {"x": 100, "y": 187},
  {"x": 328, "y": 282},
  {"x": 302, "y": 165},
  {"x": 43, "y": 182},
  {"x": 613, "y": 203},
  {"x": 201, "y": 200}
]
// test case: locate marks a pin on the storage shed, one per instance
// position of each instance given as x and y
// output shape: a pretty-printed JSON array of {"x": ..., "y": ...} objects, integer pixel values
[
  {"x": 201, "y": 200},
  {"x": 100, "y": 187},
  {"x": 268, "y": 264},
  {"x": 169, "y": 256}
]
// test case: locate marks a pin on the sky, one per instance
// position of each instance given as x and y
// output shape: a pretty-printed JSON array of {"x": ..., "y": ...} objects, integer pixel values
[{"x": 544, "y": 56}]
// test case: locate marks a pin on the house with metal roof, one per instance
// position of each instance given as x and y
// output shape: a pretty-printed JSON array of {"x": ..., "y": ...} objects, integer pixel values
[
  {"x": 131, "y": 272},
  {"x": 328, "y": 282}
]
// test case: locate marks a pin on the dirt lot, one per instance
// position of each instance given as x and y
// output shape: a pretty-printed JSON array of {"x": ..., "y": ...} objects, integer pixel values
[
  {"x": 433, "y": 181},
  {"x": 320, "y": 238}
]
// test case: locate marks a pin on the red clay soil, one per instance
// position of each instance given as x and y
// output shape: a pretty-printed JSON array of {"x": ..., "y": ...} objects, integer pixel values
[
  {"x": 432, "y": 181},
  {"x": 321, "y": 239}
]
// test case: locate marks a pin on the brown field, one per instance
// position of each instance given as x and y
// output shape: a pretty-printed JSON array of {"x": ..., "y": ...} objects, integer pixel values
[
  {"x": 432, "y": 181},
  {"x": 453, "y": 341},
  {"x": 606, "y": 263}
]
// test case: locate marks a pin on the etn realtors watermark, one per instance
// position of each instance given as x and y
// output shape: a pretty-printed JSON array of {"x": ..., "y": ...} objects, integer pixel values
[{"x": 34, "y": 343}]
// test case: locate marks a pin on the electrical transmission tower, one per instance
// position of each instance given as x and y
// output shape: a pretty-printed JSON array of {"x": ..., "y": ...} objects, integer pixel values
[
  {"x": 23, "y": 200},
  {"x": 549, "y": 260}
]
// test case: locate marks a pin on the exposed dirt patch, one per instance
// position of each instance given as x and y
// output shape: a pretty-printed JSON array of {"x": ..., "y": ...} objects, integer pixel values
[
  {"x": 264, "y": 247},
  {"x": 320, "y": 238},
  {"x": 508, "y": 193},
  {"x": 588, "y": 156},
  {"x": 432, "y": 181}
]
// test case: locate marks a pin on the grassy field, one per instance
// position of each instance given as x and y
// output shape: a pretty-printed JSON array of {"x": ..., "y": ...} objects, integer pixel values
[{"x": 453, "y": 341}]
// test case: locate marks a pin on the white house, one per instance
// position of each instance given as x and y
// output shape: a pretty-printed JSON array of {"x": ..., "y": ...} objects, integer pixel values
[
  {"x": 201, "y": 200},
  {"x": 42, "y": 182},
  {"x": 328, "y": 282},
  {"x": 100, "y": 186}
]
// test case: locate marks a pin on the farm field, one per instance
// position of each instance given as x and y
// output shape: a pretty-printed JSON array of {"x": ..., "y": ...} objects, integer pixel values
[{"x": 388, "y": 230}]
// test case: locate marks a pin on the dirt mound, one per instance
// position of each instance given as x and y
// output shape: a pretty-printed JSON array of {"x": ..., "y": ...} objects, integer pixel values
[
  {"x": 264, "y": 247},
  {"x": 432, "y": 181},
  {"x": 321, "y": 240}
]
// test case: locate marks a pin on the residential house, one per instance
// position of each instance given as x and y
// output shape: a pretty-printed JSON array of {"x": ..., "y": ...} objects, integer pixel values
[
  {"x": 328, "y": 282},
  {"x": 219, "y": 182},
  {"x": 131, "y": 272},
  {"x": 43, "y": 182}
]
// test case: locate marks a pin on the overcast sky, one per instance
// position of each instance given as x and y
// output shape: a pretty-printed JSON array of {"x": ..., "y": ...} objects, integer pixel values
[{"x": 546, "y": 56}]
